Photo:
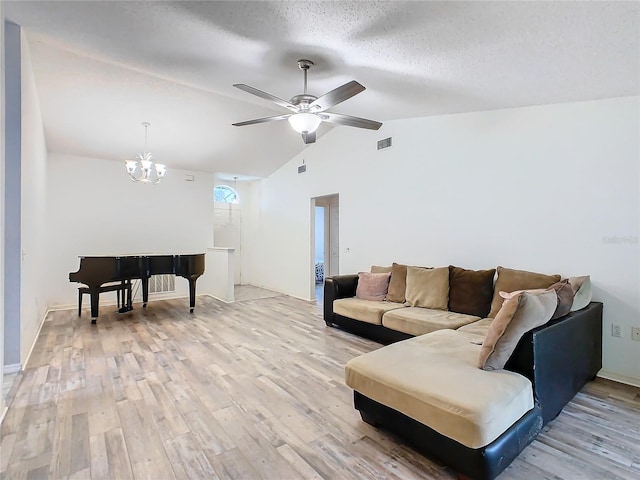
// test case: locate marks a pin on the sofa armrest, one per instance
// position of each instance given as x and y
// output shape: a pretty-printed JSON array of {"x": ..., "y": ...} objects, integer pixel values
[
  {"x": 560, "y": 357},
  {"x": 338, "y": 286}
]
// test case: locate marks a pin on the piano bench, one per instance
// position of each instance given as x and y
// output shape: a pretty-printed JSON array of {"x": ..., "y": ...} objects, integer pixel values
[{"x": 120, "y": 288}]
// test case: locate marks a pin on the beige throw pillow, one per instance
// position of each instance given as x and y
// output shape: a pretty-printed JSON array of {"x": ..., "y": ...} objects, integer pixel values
[
  {"x": 428, "y": 287},
  {"x": 510, "y": 280},
  {"x": 520, "y": 312}
]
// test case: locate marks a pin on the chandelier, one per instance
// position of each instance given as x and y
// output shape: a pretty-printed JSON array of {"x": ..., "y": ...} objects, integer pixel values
[{"x": 143, "y": 169}]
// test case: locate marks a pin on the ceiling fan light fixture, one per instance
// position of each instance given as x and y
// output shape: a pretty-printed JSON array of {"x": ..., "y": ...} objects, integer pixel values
[{"x": 305, "y": 122}]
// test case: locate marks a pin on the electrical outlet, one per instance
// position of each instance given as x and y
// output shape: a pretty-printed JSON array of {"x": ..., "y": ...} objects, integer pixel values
[
  {"x": 635, "y": 333},
  {"x": 616, "y": 331}
]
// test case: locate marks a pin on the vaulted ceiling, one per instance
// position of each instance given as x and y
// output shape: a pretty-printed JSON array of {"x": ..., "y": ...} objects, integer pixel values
[{"x": 104, "y": 67}]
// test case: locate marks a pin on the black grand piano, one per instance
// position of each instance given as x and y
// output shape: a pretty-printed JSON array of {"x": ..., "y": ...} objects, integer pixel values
[{"x": 96, "y": 271}]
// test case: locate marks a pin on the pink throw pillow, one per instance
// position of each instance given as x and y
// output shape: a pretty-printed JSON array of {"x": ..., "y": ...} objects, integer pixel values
[{"x": 372, "y": 286}]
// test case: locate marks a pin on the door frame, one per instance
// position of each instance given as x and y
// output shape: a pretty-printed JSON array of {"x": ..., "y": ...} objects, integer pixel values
[{"x": 323, "y": 201}]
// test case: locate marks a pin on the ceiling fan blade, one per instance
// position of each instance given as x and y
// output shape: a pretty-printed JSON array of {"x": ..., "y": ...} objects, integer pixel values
[
  {"x": 266, "y": 96},
  {"x": 309, "y": 137},
  {"x": 350, "y": 121},
  {"x": 336, "y": 96},
  {"x": 262, "y": 120}
]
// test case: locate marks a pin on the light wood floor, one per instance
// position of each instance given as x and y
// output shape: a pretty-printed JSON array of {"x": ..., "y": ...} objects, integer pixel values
[{"x": 251, "y": 390}]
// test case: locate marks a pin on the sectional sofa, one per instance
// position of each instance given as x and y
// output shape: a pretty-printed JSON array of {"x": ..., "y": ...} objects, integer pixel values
[{"x": 429, "y": 386}]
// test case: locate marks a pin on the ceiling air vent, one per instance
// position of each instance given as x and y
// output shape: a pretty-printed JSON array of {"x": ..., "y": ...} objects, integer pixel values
[
  {"x": 302, "y": 168},
  {"x": 384, "y": 143}
]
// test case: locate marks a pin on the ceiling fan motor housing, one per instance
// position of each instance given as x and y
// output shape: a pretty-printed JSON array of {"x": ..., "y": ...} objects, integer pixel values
[{"x": 303, "y": 100}]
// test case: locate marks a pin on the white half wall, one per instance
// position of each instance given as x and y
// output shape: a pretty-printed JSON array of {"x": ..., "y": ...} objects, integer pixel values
[
  {"x": 95, "y": 209},
  {"x": 551, "y": 189},
  {"x": 33, "y": 209}
]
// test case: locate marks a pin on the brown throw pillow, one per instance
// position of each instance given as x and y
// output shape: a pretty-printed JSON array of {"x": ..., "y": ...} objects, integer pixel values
[
  {"x": 372, "y": 286},
  {"x": 398, "y": 283},
  {"x": 470, "y": 291},
  {"x": 428, "y": 287},
  {"x": 511, "y": 280},
  {"x": 521, "y": 312}
]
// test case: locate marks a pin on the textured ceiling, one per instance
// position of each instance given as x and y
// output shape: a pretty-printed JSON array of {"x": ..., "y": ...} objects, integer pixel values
[{"x": 102, "y": 68}]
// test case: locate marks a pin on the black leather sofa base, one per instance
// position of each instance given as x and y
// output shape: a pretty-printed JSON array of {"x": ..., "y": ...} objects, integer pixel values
[
  {"x": 484, "y": 463},
  {"x": 379, "y": 333}
]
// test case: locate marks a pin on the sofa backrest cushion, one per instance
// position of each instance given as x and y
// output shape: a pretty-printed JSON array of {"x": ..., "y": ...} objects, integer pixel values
[
  {"x": 512, "y": 280},
  {"x": 470, "y": 291},
  {"x": 520, "y": 312},
  {"x": 379, "y": 269},
  {"x": 372, "y": 286},
  {"x": 428, "y": 287}
]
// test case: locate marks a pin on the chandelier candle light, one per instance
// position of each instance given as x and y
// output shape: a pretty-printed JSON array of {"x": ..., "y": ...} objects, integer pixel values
[{"x": 143, "y": 169}]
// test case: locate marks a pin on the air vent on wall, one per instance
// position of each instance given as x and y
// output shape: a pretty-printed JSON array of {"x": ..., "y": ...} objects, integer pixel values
[
  {"x": 302, "y": 168},
  {"x": 384, "y": 143}
]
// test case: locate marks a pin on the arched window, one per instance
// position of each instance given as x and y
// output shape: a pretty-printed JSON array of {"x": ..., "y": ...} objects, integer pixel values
[{"x": 225, "y": 194}]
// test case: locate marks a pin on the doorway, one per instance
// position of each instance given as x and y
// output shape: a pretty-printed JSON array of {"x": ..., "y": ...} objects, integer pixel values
[{"x": 325, "y": 240}]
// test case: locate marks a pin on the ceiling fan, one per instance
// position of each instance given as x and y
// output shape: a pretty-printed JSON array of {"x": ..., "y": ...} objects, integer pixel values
[{"x": 308, "y": 111}]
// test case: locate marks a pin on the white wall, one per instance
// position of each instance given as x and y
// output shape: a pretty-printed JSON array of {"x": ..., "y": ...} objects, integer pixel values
[
  {"x": 550, "y": 189},
  {"x": 33, "y": 209},
  {"x": 94, "y": 208},
  {"x": 227, "y": 232},
  {"x": 2, "y": 96}
]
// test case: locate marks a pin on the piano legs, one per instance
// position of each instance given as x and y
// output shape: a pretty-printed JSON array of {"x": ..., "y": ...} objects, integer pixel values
[
  {"x": 145, "y": 291},
  {"x": 127, "y": 301},
  {"x": 125, "y": 296},
  {"x": 192, "y": 294}
]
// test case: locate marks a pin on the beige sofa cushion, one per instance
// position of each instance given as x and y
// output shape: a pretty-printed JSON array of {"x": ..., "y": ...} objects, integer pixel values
[
  {"x": 434, "y": 379},
  {"x": 480, "y": 328},
  {"x": 418, "y": 321},
  {"x": 428, "y": 287},
  {"x": 364, "y": 310}
]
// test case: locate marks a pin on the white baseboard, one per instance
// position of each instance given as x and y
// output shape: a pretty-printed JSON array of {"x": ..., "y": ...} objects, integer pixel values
[
  {"x": 12, "y": 368},
  {"x": 616, "y": 377},
  {"x": 153, "y": 297},
  {"x": 218, "y": 298},
  {"x": 44, "y": 317}
]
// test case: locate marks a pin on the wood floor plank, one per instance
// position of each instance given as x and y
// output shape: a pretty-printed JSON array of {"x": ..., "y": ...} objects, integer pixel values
[
  {"x": 119, "y": 464},
  {"x": 251, "y": 390},
  {"x": 99, "y": 459}
]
